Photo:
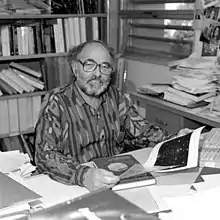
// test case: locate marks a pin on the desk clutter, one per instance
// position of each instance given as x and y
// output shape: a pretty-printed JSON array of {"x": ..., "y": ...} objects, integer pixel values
[
  {"x": 173, "y": 187},
  {"x": 195, "y": 82}
]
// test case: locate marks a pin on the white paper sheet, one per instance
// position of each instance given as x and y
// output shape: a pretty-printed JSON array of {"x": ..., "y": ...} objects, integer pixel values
[
  {"x": 210, "y": 181},
  {"x": 53, "y": 192},
  {"x": 12, "y": 160},
  {"x": 202, "y": 206}
]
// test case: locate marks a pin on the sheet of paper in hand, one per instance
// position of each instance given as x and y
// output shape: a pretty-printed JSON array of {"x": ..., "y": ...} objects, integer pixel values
[{"x": 175, "y": 154}]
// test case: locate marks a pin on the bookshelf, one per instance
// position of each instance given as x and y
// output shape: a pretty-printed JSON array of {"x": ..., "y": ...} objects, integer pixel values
[{"x": 20, "y": 34}]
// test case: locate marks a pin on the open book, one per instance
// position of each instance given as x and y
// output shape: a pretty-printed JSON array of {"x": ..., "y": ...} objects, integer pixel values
[
  {"x": 175, "y": 154},
  {"x": 132, "y": 173}
]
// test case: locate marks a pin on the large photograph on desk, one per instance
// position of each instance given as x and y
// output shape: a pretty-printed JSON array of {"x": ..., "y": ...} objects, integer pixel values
[{"x": 175, "y": 154}]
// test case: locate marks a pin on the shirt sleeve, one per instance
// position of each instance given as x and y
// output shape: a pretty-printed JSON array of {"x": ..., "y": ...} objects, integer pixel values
[
  {"x": 50, "y": 143},
  {"x": 137, "y": 130}
]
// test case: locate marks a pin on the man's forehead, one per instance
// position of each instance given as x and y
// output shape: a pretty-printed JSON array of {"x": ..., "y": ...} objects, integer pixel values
[{"x": 95, "y": 50}]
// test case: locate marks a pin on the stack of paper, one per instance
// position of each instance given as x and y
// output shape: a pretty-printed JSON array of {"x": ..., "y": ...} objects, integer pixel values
[
  {"x": 195, "y": 81},
  {"x": 16, "y": 162}
]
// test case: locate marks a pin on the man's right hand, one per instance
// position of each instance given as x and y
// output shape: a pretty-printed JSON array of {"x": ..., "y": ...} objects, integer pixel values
[{"x": 95, "y": 179}]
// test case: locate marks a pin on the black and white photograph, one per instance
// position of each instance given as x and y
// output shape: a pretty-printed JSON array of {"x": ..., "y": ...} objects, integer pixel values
[
  {"x": 209, "y": 3},
  {"x": 209, "y": 50}
]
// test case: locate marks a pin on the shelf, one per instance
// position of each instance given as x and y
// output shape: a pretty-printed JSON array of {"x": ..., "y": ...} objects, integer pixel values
[
  {"x": 29, "y": 131},
  {"x": 47, "y": 16},
  {"x": 23, "y": 95},
  {"x": 32, "y": 56}
]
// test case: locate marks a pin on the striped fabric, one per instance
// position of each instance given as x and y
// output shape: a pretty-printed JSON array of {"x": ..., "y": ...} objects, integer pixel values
[{"x": 69, "y": 132}]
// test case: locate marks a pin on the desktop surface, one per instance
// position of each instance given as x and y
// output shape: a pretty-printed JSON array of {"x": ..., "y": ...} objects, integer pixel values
[{"x": 102, "y": 204}]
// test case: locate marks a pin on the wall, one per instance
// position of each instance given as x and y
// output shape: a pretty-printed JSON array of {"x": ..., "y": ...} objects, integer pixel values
[{"x": 140, "y": 73}]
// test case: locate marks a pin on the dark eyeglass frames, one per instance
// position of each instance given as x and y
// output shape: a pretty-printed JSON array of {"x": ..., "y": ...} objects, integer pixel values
[{"x": 90, "y": 65}]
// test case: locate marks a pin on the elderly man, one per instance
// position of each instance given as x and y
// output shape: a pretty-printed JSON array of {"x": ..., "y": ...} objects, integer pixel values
[{"x": 87, "y": 119}]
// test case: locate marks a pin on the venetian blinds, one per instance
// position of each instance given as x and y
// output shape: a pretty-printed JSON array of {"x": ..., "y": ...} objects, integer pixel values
[{"x": 159, "y": 28}]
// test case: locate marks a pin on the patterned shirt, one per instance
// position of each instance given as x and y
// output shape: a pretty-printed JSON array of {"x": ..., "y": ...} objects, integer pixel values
[{"x": 70, "y": 132}]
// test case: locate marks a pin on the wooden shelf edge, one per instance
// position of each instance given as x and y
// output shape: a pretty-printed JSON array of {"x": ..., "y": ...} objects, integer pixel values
[
  {"x": 28, "y": 131},
  {"x": 23, "y": 95},
  {"x": 47, "y": 16},
  {"x": 32, "y": 56},
  {"x": 175, "y": 108}
]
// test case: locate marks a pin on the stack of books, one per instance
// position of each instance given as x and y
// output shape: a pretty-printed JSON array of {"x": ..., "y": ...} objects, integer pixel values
[{"x": 19, "y": 79}]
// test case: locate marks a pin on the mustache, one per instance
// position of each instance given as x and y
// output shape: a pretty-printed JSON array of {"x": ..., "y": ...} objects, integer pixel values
[{"x": 94, "y": 77}]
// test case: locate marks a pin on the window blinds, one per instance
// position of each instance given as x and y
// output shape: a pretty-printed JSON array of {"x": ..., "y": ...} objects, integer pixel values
[{"x": 159, "y": 28}]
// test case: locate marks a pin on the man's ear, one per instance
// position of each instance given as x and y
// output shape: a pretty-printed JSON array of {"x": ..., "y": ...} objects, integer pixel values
[{"x": 74, "y": 68}]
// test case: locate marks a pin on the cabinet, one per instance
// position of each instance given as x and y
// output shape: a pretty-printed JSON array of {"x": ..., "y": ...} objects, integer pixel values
[
  {"x": 170, "y": 116},
  {"x": 41, "y": 43}
]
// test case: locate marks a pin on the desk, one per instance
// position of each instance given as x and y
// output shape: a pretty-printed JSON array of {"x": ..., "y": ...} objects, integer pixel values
[
  {"x": 172, "y": 116},
  {"x": 141, "y": 197}
]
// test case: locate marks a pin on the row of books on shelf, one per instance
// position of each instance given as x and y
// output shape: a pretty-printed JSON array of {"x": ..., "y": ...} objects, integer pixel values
[
  {"x": 17, "y": 79},
  {"x": 55, "y": 6},
  {"x": 49, "y": 36},
  {"x": 19, "y": 115}
]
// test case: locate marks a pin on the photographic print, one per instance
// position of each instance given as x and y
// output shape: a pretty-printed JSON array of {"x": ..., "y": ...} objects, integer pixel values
[
  {"x": 209, "y": 50},
  {"x": 208, "y": 3}
]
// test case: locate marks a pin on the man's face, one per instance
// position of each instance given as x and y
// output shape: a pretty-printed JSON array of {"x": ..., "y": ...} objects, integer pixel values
[{"x": 93, "y": 83}]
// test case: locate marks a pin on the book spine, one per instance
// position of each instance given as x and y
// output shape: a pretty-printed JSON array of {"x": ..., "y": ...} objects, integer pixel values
[
  {"x": 82, "y": 22},
  {"x": 72, "y": 32},
  {"x": 30, "y": 80},
  {"x": 25, "y": 69},
  {"x": 61, "y": 35},
  {"x": 36, "y": 102},
  {"x": 76, "y": 30},
  {"x": 13, "y": 116},
  {"x": 95, "y": 27},
  {"x": 67, "y": 34},
  {"x": 89, "y": 30},
  {"x": 3, "y": 76},
  {"x": 25, "y": 113},
  {"x": 5, "y": 40},
  {"x": 4, "y": 117}
]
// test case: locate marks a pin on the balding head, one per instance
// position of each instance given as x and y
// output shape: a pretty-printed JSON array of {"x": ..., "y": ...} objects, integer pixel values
[{"x": 89, "y": 46}]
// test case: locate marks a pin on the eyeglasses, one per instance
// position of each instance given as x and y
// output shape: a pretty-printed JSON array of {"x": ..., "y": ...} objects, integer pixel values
[{"x": 90, "y": 65}]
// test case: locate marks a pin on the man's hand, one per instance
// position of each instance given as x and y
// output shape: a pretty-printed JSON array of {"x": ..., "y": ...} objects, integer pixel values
[
  {"x": 99, "y": 178},
  {"x": 185, "y": 131}
]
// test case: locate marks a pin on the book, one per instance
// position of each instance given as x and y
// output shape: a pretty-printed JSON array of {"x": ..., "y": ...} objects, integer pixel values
[
  {"x": 25, "y": 69},
  {"x": 6, "y": 89},
  {"x": 4, "y": 117},
  {"x": 132, "y": 174},
  {"x": 12, "y": 192},
  {"x": 175, "y": 154},
  {"x": 30, "y": 79},
  {"x": 18, "y": 80},
  {"x": 13, "y": 116},
  {"x": 193, "y": 97},
  {"x": 5, "y": 36},
  {"x": 4, "y": 77}
]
